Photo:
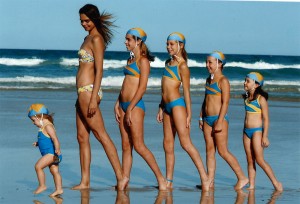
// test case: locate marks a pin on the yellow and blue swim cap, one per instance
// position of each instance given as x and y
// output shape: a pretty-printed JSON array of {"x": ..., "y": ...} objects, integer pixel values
[
  {"x": 138, "y": 32},
  {"x": 257, "y": 77},
  {"x": 219, "y": 55},
  {"x": 177, "y": 37},
  {"x": 37, "y": 108}
]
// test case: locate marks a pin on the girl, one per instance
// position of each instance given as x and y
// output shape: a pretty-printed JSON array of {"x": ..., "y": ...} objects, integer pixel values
[
  {"x": 174, "y": 111},
  {"x": 130, "y": 108},
  {"x": 256, "y": 127},
  {"x": 49, "y": 147},
  {"x": 213, "y": 120},
  {"x": 88, "y": 81}
]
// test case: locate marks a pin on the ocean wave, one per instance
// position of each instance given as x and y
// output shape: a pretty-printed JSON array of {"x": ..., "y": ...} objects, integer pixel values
[
  {"x": 20, "y": 62},
  {"x": 117, "y": 81},
  {"x": 261, "y": 65}
]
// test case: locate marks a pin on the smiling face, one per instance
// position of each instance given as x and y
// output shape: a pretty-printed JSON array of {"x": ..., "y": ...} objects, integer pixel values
[
  {"x": 211, "y": 64},
  {"x": 130, "y": 42},
  {"x": 86, "y": 23},
  {"x": 172, "y": 47}
]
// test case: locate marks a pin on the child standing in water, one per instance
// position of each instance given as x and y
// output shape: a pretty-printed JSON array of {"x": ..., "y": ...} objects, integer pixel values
[
  {"x": 213, "y": 120},
  {"x": 256, "y": 127},
  {"x": 49, "y": 147}
]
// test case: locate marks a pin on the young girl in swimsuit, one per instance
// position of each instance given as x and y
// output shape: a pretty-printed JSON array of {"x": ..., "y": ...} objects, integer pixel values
[
  {"x": 213, "y": 120},
  {"x": 175, "y": 112},
  {"x": 49, "y": 147},
  {"x": 256, "y": 127},
  {"x": 88, "y": 81},
  {"x": 130, "y": 108}
]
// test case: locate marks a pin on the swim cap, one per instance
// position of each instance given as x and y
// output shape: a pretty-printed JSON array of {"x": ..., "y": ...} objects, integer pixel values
[
  {"x": 219, "y": 55},
  {"x": 138, "y": 32},
  {"x": 257, "y": 77},
  {"x": 176, "y": 36},
  {"x": 38, "y": 108}
]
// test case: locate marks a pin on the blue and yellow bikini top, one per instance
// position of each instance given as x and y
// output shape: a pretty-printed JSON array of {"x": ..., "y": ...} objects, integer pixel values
[
  {"x": 44, "y": 140},
  {"x": 252, "y": 106},
  {"x": 172, "y": 72},
  {"x": 213, "y": 89},
  {"x": 132, "y": 69},
  {"x": 84, "y": 56}
]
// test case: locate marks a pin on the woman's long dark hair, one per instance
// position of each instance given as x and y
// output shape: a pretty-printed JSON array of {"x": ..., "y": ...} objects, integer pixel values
[
  {"x": 102, "y": 21},
  {"x": 258, "y": 91}
]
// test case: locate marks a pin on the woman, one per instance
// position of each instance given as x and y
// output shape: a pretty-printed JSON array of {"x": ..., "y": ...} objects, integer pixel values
[
  {"x": 175, "y": 111},
  {"x": 88, "y": 82},
  {"x": 130, "y": 108}
]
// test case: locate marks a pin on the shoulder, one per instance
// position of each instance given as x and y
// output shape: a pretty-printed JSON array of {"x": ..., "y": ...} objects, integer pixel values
[
  {"x": 223, "y": 80},
  {"x": 183, "y": 67},
  {"x": 97, "y": 40},
  {"x": 143, "y": 60}
]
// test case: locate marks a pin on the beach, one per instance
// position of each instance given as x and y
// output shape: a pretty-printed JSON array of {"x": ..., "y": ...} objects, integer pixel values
[{"x": 18, "y": 156}]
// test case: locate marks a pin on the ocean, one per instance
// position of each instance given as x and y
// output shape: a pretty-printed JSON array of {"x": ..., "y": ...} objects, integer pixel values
[{"x": 56, "y": 69}]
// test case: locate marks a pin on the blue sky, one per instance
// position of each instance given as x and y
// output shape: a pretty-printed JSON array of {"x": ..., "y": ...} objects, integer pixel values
[{"x": 234, "y": 27}]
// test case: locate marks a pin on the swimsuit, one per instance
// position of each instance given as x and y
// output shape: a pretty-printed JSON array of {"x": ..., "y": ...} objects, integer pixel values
[
  {"x": 84, "y": 56},
  {"x": 132, "y": 70},
  {"x": 172, "y": 104},
  {"x": 140, "y": 104},
  {"x": 172, "y": 72},
  {"x": 90, "y": 89},
  {"x": 253, "y": 106},
  {"x": 46, "y": 145},
  {"x": 212, "y": 89},
  {"x": 210, "y": 120},
  {"x": 250, "y": 131}
]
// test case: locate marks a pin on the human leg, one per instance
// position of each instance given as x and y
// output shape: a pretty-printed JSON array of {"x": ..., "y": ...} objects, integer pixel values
[
  {"x": 221, "y": 139},
  {"x": 54, "y": 169},
  {"x": 43, "y": 162},
  {"x": 96, "y": 125},
  {"x": 250, "y": 160},
  {"x": 259, "y": 157},
  {"x": 83, "y": 138},
  {"x": 137, "y": 134},
  {"x": 179, "y": 115},
  {"x": 169, "y": 137}
]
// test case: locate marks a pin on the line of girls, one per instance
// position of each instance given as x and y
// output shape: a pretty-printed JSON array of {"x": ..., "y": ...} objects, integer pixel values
[{"x": 174, "y": 111}]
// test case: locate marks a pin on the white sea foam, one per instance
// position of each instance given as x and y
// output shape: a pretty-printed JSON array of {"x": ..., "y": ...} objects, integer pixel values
[
  {"x": 261, "y": 65},
  {"x": 20, "y": 62}
]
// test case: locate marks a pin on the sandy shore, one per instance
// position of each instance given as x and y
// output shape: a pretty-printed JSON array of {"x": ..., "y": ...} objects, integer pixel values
[{"x": 18, "y": 157}]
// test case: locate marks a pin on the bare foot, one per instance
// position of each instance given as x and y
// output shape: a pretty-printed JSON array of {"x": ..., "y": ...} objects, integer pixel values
[
  {"x": 169, "y": 184},
  {"x": 122, "y": 184},
  {"x": 162, "y": 185},
  {"x": 40, "y": 189},
  {"x": 241, "y": 183},
  {"x": 80, "y": 187},
  {"x": 56, "y": 193},
  {"x": 278, "y": 187}
]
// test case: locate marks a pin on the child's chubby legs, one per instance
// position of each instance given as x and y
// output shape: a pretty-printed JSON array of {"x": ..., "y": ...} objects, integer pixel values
[
  {"x": 43, "y": 162},
  {"x": 54, "y": 169}
]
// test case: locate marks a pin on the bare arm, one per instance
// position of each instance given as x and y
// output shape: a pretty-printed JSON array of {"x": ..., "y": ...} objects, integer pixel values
[
  {"x": 98, "y": 51},
  {"x": 266, "y": 122},
  {"x": 185, "y": 77},
  {"x": 52, "y": 133},
  {"x": 225, "y": 97}
]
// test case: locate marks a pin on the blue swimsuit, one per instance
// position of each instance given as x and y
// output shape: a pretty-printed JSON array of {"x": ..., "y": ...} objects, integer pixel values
[
  {"x": 252, "y": 107},
  {"x": 46, "y": 145},
  {"x": 134, "y": 71},
  {"x": 171, "y": 72},
  {"x": 213, "y": 89}
]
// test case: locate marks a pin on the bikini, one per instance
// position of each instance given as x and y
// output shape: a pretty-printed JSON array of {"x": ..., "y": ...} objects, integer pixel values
[
  {"x": 84, "y": 56},
  {"x": 214, "y": 90},
  {"x": 46, "y": 145},
  {"x": 134, "y": 71},
  {"x": 252, "y": 107},
  {"x": 172, "y": 73}
]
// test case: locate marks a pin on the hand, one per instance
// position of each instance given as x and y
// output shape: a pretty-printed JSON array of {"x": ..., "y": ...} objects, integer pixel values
[
  {"x": 265, "y": 142},
  {"x": 117, "y": 113},
  {"x": 188, "y": 121},
  {"x": 160, "y": 116},
  {"x": 201, "y": 124},
  {"x": 92, "y": 108},
  {"x": 128, "y": 117},
  {"x": 217, "y": 126},
  {"x": 35, "y": 144},
  {"x": 57, "y": 151}
]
